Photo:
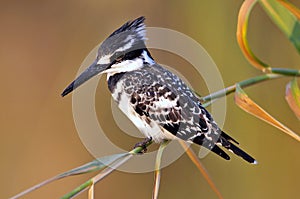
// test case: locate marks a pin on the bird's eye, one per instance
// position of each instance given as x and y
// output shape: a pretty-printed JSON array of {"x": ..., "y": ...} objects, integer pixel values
[{"x": 119, "y": 57}]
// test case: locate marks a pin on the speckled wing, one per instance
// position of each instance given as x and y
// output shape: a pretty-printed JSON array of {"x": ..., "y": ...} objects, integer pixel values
[
  {"x": 159, "y": 96},
  {"x": 176, "y": 113}
]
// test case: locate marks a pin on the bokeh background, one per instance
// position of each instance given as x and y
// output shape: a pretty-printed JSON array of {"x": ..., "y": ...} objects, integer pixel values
[{"x": 42, "y": 44}]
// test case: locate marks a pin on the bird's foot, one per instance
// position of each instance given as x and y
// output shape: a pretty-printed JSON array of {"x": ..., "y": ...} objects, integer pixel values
[{"x": 143, "y": 144}]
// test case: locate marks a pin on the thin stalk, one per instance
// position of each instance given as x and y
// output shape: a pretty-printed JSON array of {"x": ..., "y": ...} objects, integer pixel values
[
  {"x": 245, "y": 83},
  {"x": 91, "y": 192},
  {"x": 138, "y": 150},
  {"x": 285, "y": 71},
  {"x": 78, "y": 189},
  {"x": 157, "y": 172}
]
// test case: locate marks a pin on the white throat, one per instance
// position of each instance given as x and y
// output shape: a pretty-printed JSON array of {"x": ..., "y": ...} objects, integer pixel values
[{"x": 130, "y": 65}]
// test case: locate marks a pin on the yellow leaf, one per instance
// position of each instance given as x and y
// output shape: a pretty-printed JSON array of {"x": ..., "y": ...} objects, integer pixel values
[
  {"x": 200, "y": 167},
  {"x": 286, "y": 17},
  {"x": 292, "y": 96},
  {"x": 293, "y": 9},
  {"x": 245, "y": 103},
  {"x": 241, "y": 35}
]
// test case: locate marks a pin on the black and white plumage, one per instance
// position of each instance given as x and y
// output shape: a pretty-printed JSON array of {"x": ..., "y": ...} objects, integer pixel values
[{"x": 157, "y": 101}]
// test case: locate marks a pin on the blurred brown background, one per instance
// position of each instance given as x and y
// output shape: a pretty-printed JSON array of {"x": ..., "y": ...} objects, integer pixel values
[{"x": 42, "y": 44}]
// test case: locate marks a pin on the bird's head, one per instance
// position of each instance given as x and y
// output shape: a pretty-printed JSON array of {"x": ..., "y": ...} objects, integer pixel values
[{"x": 123, "y": 51}]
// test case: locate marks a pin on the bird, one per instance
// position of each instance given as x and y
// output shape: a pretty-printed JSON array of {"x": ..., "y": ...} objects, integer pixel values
[{"x": 158, "y": 102}]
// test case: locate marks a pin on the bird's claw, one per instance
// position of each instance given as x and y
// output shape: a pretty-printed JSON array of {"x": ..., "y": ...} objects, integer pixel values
[{"x": 143, "y": 145}]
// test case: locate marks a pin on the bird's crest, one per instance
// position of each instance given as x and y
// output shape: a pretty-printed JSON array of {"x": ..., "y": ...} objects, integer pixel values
[
  {"x": 136, "y": 26},
  {"x": 129, "y": 37}
]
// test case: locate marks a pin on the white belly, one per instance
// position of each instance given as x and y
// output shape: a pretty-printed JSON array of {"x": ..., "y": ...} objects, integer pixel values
[{"x": 150, "y": 128}]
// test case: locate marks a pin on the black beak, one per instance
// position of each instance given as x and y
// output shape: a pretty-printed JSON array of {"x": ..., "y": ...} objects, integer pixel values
[{"x": 90, "y": 72}]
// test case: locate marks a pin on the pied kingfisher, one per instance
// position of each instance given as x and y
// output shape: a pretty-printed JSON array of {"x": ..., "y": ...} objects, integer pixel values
[{"x": 157, "y": 101}]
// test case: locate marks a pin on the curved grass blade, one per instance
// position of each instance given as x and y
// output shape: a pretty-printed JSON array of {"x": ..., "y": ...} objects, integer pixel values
[
  {"x": 91, "y": 182},
  {"x": 107, "y": 170},
  {"x": 111, "y": 168},
  {"x": 286, "y": 17},
  {"x": 35, "y": 187},
  {"x": 200, "y": 167},
  {"x": 94, "y": 165},
  {"x": 241, "y": 34},
  {"x": 245, "y": 103},
  {"x": 157, "y": 172},
  {"x": 292, "y": 96}
]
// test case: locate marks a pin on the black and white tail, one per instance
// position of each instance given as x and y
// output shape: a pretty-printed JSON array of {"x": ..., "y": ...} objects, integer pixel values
[{"x": 226, "y": 141}]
